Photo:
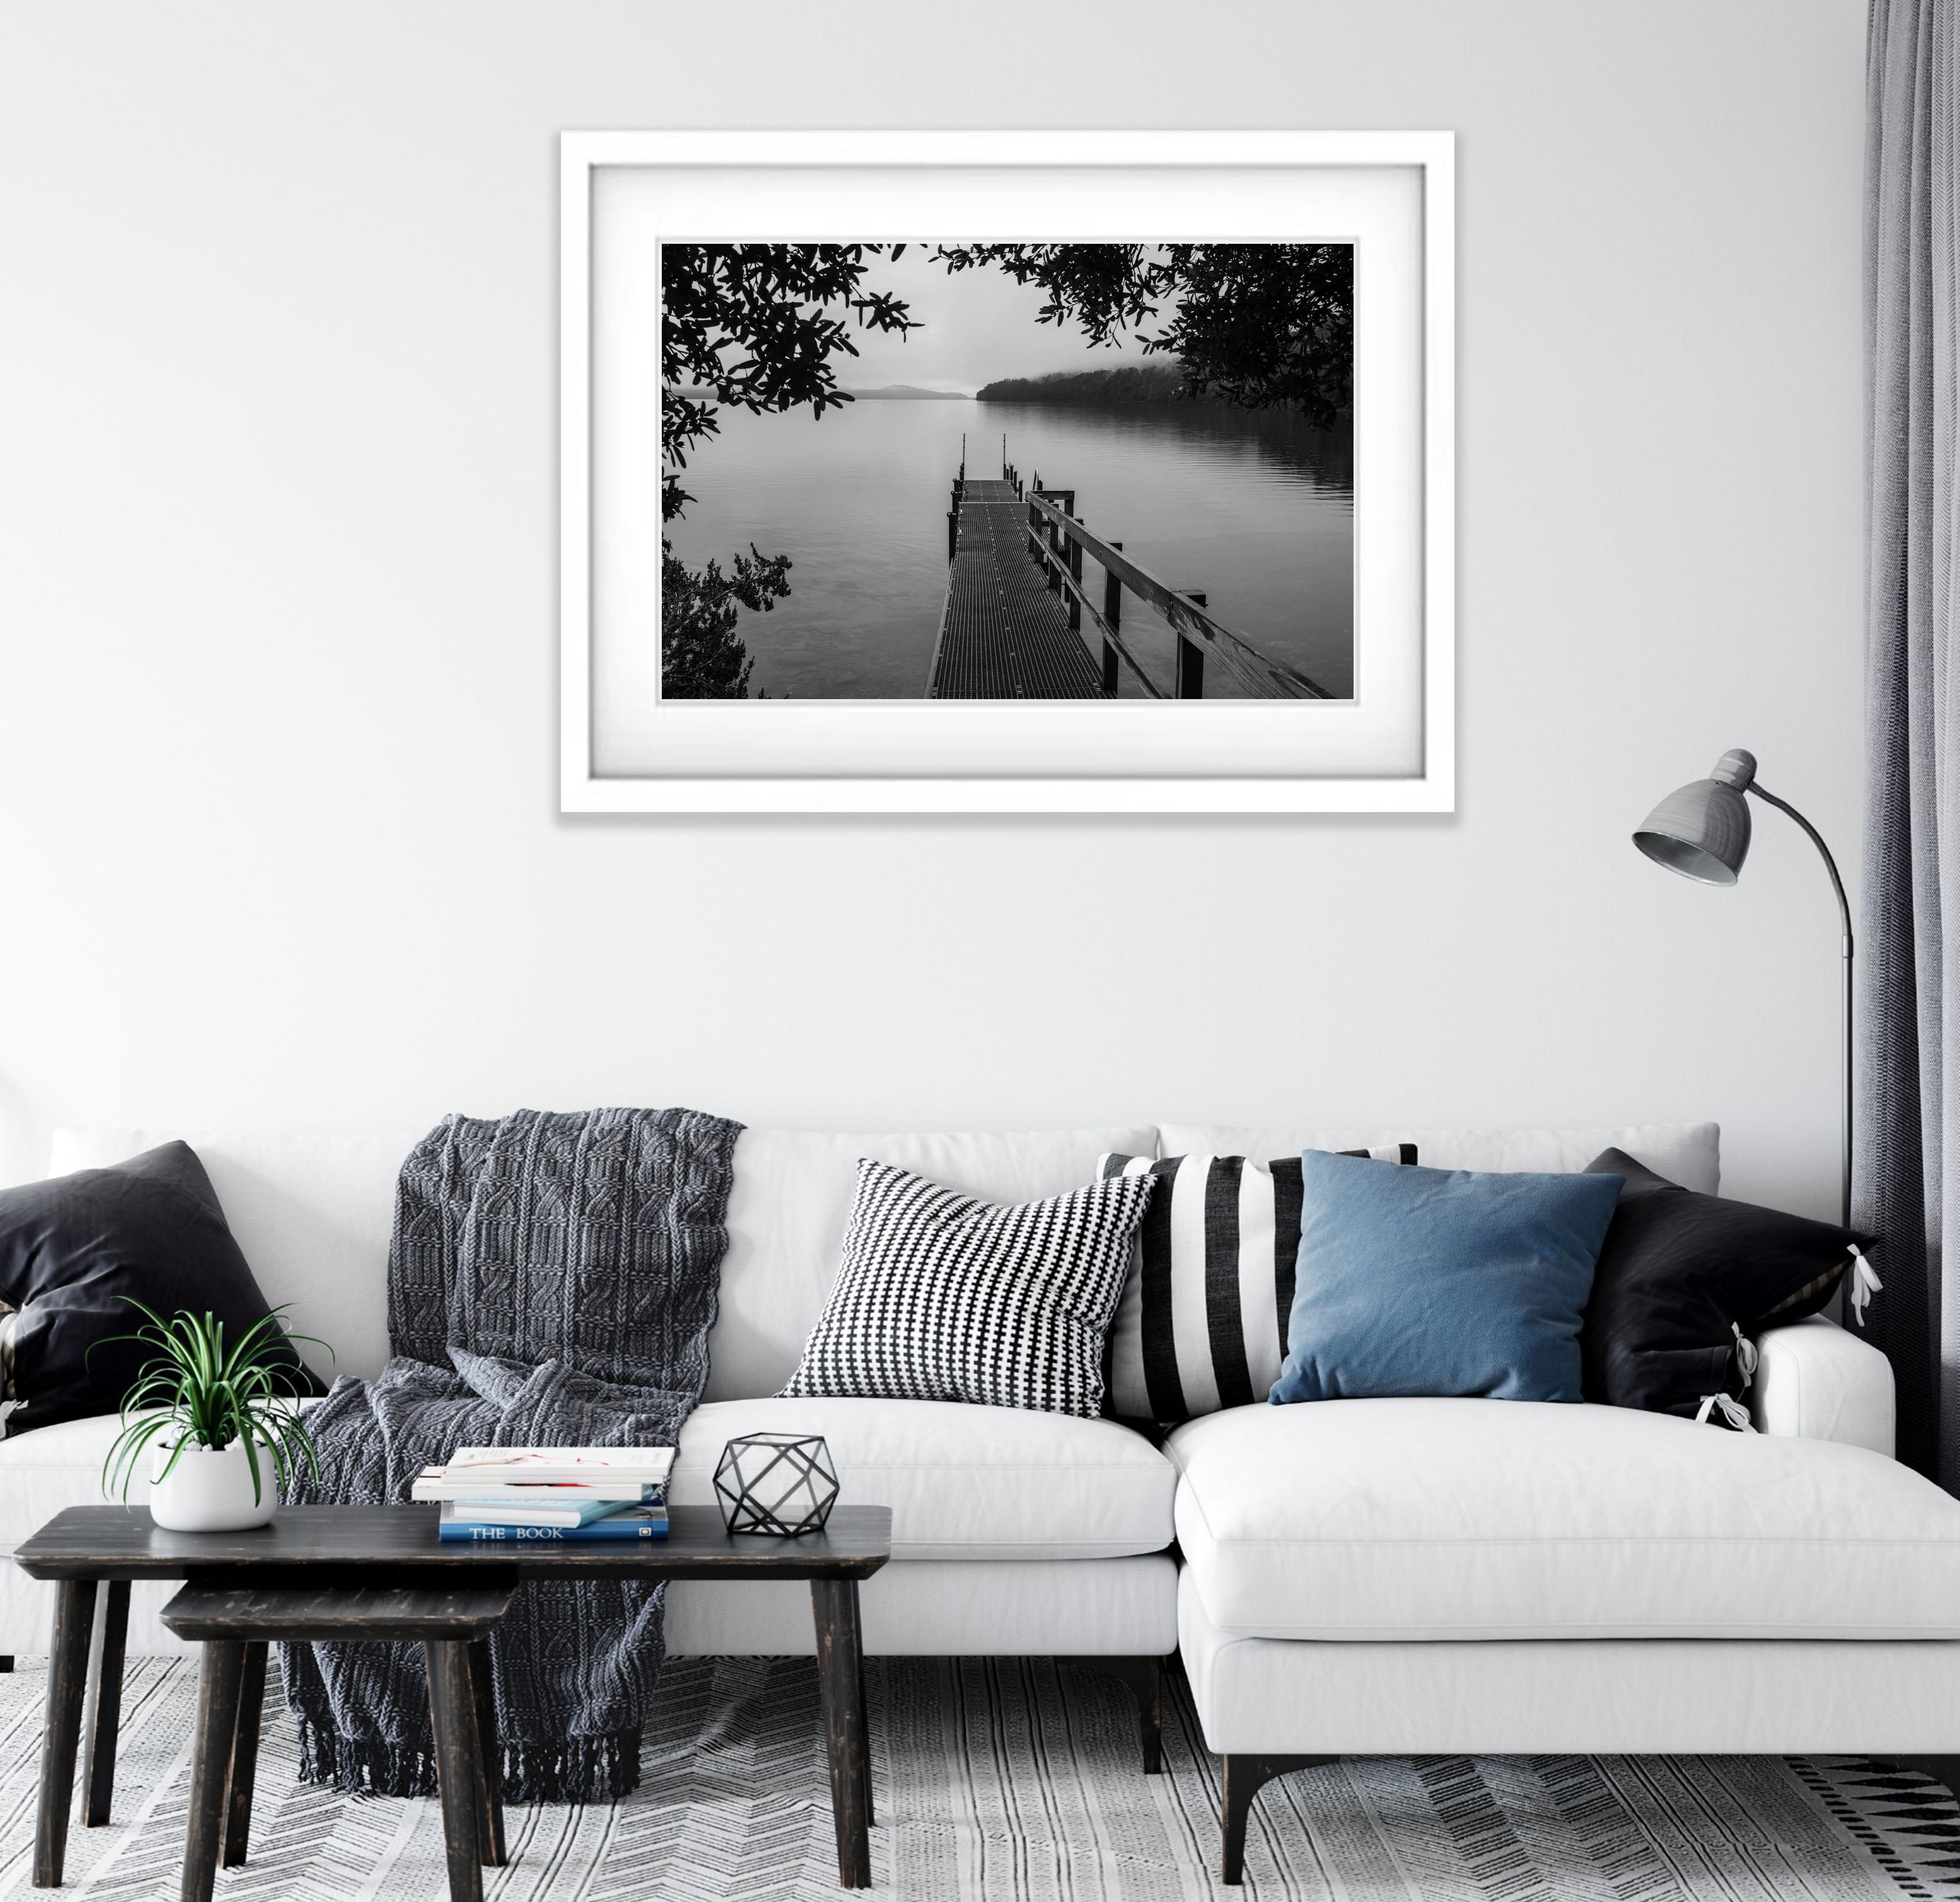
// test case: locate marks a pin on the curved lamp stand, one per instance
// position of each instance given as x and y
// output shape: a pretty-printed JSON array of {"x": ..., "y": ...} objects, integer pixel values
[{"x": 1702, "y": 832}]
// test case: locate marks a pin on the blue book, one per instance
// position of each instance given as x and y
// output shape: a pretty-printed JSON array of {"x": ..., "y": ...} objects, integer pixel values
[
  {"x": 498, "y": 1509},
  {"x": 636, "y": 1522}
]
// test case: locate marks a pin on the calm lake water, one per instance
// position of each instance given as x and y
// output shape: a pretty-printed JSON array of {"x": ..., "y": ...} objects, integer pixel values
[{"x": 1256, "y": 510}]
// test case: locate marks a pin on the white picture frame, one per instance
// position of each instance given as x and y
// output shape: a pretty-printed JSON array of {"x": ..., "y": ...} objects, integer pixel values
[{"x": 1391, "y": 748}]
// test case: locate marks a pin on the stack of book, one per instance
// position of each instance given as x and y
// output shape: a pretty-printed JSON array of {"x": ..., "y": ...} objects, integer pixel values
[{"x": 492, "y": 1493}]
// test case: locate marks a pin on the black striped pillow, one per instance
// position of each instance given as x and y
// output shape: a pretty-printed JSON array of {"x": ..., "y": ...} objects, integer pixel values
[{"x": 1201, "y": 1322}]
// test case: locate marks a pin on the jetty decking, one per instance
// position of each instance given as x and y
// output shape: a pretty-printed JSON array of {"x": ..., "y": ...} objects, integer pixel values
[
  {"x": 1017, "y": 624},
  {"x": 1003, "y": 633}
]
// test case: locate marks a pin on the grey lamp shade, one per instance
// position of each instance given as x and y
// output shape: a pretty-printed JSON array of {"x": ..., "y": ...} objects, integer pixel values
[{"x": 1702, "y": 831}]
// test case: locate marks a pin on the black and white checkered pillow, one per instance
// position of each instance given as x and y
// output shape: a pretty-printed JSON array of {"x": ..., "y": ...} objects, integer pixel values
[
  {"x": 941, "y": 1296},
  {"x": 1201, "y": 1322}
]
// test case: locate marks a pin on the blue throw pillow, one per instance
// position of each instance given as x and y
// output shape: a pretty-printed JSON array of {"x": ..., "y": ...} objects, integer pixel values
[{"x": 1440, "y": 1281}]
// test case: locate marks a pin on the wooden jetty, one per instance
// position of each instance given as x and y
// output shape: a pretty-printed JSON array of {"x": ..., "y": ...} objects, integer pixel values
[{"x": 1017, "y": 624}]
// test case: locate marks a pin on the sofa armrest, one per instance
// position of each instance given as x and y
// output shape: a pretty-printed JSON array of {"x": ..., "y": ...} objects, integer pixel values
[{"x": 1815, "y": 1380}]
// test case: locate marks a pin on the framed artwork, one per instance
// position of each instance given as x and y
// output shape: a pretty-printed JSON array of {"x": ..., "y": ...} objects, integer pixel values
[{"x": 1007, "y": 472}]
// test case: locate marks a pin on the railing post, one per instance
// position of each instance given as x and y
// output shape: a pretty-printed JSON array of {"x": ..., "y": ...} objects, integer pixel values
[
  {"x": 1112, "y": 619},
  {"x": 1075, "y": 575},
  {"x": 952, "y": 535},
  {"x": 1190, "y": 655}
]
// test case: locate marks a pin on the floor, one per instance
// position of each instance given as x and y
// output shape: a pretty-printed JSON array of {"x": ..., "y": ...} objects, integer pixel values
[{"x": 1014, "y": 1779}]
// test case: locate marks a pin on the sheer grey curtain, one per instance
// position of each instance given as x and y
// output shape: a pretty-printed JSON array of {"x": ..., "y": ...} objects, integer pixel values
[{"x": 1909, "y": 1079}]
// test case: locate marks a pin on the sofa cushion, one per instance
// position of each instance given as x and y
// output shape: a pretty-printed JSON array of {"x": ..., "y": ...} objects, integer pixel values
[
  {"x": 791, "y": 1200},
  {"x": 962, "y": 1482},
  {"x": 1815, "y": 1380},
  {"x": 90, "y": 1259},
  {"x": 1440, "y": 1281},
  {"x": 1201, "y": 1322},
  {"x": 1682, "y": 1278},
  {"x": 1685, "y": 1153},
  {"x": 46, "y": 1472},
  {"x": 1452, "y": 1519},
  {"x": 943, "y": 1296},
  {"x": 312, "y": 1209}
]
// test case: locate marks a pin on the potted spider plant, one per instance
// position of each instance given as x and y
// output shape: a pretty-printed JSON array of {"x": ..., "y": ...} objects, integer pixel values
[{"x": 219, "y": 1420}]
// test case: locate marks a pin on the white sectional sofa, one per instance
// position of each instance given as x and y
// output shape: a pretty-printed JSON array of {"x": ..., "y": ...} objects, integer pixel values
[{"x": 1353, "y": 1577}]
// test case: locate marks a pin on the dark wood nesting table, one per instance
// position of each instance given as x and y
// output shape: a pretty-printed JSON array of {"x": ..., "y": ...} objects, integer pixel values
[
  {"x": 327, "y": 1556},
  {"x": 450, "y": 1617}
]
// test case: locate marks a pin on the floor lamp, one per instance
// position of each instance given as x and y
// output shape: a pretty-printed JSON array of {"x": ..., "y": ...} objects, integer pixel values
[{"x": 1702, "y": 832}]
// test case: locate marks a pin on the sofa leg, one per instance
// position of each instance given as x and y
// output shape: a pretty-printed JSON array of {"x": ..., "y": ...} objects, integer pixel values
[
  {"x": 1942, "y": 1770},
  {"x": 1145, "y": 1677},
  {"x": 1245, "y": 1777}
]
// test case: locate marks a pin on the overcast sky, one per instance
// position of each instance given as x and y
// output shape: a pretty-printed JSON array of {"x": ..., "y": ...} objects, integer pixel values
[{"x": 979, "y": 326}]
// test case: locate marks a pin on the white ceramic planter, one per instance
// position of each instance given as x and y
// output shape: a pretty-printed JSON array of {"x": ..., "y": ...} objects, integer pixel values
[{"x": 212, "y": 1492}]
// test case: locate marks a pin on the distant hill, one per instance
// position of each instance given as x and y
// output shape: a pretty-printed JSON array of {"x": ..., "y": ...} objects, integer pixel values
[
  {"x": 888, "y": 392},
  {"x": 910, "y": 392},
  {"x": 1141, "y": 383}
]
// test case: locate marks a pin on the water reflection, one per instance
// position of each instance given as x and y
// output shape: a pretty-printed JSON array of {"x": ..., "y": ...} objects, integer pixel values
[
  {"x": 1325, "y": 457},
  {"x": 1255, "y": 509}
]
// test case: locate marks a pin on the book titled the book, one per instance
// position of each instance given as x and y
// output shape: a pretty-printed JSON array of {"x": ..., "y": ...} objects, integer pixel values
[
  {"x": 631, "y": 1522},
  {"x": 505, "y": 1510}
]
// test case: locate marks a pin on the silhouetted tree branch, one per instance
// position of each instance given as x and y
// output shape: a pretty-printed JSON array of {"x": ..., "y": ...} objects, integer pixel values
[
  {"x": 701, "y": 656},
  {"x": 1255, "y": 325},
  {"x": 758, "y": 325}
]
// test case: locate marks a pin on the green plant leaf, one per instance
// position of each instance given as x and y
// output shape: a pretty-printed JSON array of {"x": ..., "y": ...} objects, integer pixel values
[{"x": 202, "y": 1391}]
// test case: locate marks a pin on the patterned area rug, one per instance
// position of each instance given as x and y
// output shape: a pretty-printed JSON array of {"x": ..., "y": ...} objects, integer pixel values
[{"x": 1001, "y": 1779}]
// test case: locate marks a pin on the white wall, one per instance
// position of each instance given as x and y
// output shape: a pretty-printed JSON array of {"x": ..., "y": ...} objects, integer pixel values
[{"x": 277, "y": 834}]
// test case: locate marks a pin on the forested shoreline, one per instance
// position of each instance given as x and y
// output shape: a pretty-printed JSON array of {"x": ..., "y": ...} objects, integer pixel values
[{"x": 1141, "y": 383}]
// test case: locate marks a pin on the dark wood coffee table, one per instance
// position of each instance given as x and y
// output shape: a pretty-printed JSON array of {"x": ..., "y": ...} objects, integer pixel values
[{"x": 88, "y": 1547}]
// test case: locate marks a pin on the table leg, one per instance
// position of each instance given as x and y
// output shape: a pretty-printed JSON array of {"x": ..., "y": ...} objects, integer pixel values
[
  {"x": 489, "y": 1759},
  {"x": 840, "y": 1667},
  {"x": 242, "y": 1767},
  {"x": 217, "y": 1695},
  {"x": 105, "y": 1702},
  {"x": 67, "y": 1678},
  {"x": 864, "y": 1739},
  {"x": 452, "y": 1712}
]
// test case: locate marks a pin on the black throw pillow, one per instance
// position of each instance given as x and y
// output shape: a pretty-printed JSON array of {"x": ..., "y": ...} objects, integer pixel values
[
  {"x": 1680, "y": 1275},
  {"x": 72, "y": 1248}
]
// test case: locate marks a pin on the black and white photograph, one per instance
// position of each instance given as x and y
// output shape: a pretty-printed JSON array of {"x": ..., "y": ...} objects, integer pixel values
[{"x": 1014, "y": 472}]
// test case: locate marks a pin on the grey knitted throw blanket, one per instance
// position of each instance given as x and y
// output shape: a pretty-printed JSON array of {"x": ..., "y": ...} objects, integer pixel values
[{"x": 551, "y": 1280}]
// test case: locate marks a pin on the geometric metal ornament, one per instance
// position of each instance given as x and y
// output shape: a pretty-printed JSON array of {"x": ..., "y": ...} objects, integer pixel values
[{"x": 782, "y": 1484}]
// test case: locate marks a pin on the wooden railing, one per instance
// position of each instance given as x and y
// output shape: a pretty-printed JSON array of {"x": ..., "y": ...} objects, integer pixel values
[
  {"x": 1058, "y": 541},
  {"x": 960, "y": 495}
]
